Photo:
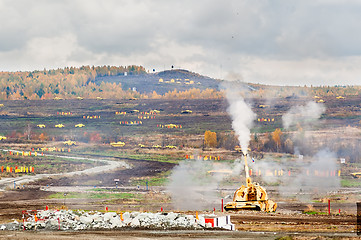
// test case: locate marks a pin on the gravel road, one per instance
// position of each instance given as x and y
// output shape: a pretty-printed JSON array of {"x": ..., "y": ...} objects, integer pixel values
[{"x": 109, "y": 165}]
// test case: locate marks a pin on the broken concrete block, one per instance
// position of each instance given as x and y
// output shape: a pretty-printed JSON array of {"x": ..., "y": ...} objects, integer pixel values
[{"x": 135, "y": 223}]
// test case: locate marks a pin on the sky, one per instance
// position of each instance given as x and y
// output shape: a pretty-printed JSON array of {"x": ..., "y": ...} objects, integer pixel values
[{"x": 278, "y": 42}]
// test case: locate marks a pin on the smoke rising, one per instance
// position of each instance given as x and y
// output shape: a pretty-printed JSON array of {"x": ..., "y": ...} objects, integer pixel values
[
  {"x": 191, "y": 186},
  {"x": 242, "y": 117},
  {"x": 318, "y": 177},
  {"x": 304, "y": 177},
  {"x": 303, "y": 114},
  {"x": 319, "y": 173}
]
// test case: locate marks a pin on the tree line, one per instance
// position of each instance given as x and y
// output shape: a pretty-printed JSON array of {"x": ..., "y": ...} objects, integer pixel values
[
  {"x": 64, "y": 83},
  {"x": 267, "y": 91},
  {"x": 71, "y": 82},
  {"x": 280, "y": 142}
]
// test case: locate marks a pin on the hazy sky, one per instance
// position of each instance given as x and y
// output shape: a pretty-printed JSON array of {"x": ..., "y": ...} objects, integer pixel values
[{"x": 273, "y": 42}]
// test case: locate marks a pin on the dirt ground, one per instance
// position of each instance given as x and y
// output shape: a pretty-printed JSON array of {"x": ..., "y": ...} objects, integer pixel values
[
  {"x": 288, "y": 220},
  {"x": 174, "y": 235},
  {"x": 140, "y": 168},
  {"x": 34, "y": 197}
]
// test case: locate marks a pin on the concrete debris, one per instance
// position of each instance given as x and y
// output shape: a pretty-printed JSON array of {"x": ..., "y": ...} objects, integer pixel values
[{"x": 82, "y": 220}]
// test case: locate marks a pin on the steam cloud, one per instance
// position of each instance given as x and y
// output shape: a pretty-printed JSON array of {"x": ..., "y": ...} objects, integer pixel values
[
  {"x": 191, "y": 186},
  {"x": 242, "y": 117},
  {"x": 303, "y": 114},
  {"x": 318, "y": 177}
]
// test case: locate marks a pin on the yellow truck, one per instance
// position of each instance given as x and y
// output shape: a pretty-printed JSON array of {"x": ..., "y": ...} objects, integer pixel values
[
  {"x": 117, "y": 144},
  {"x": 170, "y": 146},
  {"x": 356, "y": 174},
  {"x": 69, "y": 143}
]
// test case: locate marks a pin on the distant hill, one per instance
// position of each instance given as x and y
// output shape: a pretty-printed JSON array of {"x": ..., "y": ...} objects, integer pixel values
[
  {"x": 91, "y": 82},
  {"x": 162, "y": 82}
]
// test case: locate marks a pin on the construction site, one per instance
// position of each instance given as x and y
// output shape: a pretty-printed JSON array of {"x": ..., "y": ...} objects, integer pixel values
[{"x": 172, "y": 169}]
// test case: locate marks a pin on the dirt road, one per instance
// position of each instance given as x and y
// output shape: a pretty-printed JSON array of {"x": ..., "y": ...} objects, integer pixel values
[{"x": 21, "y": 180}]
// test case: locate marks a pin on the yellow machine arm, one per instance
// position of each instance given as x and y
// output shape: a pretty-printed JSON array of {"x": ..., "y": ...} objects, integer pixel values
[{"x": 248, "y": 178}]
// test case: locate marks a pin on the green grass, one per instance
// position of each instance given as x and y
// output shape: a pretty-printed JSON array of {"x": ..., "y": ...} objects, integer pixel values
[
  {"x": 93, "y": 195},
  {"x": 75, "y": 160},
  {"x": 47, "y": 163},
  {"x": 315, "y": 213},
  {"x": 351, "y": 182},
  {"x": 148, "y": 157},
  {"x": 153, "y": 157},
  {"x": 355, "y": 165},
  {"x": 53, "y": 159},
  {"x": 264, "y": 129},
  {"x": 115, "y": 190},
  {"x": 158, "y": 180}
]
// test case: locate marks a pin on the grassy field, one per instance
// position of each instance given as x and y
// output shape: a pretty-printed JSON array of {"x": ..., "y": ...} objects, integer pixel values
[
  {"x": 160, "y": 179},
  {"x": 350, "y": 182},
  {"x": 99, "y": 194},
  {"x": 20, "y": 119},
  {"x": 45, "y": 164}
]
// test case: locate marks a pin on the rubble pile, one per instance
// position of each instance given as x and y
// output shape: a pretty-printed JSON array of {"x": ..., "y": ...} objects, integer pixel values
[{"x": 81, "y": 220}]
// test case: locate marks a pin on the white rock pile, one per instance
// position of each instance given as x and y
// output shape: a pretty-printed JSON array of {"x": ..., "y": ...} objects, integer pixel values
[{"x": 81, "y": 220}]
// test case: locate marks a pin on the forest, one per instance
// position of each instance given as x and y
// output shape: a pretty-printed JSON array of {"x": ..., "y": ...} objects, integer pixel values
[{"x": 72, "y": 82}]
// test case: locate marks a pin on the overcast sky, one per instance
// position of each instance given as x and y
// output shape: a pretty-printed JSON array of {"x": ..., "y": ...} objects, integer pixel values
[{"x": 272, "y": 42}]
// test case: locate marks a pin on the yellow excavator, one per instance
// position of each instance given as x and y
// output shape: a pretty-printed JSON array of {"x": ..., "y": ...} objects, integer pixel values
[{"x": 251, "y": 197}]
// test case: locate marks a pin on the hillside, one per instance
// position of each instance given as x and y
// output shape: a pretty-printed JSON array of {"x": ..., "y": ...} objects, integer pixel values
[
  {"x": 115, "y": 81},
  {"x": 161, "y": 82}
]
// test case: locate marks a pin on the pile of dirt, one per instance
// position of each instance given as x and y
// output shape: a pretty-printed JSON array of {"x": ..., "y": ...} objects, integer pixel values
[{"x": 23, "y": 194}]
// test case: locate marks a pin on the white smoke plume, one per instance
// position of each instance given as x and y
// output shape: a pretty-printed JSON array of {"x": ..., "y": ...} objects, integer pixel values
[
  {"x": 242, "y": 117},
  {"x": 192, "y": 187},
  {"x": 308, "y": 177},
  {"x": 266, "y": 169},
  {"x": 318, "y": 177},
  {"x": 303, "y": 114}
]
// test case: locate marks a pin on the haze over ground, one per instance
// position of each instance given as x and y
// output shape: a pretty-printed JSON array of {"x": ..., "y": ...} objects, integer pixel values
[{"x": 270, "y": 42}]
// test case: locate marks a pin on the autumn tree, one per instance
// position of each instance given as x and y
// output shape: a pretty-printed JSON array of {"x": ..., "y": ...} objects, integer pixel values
[
  {"x": 210, "y": 139},
  {"x": 43, "y": 136},
  {"x": 63, "y": 82},
  {"x": 276, "y": 136}
]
